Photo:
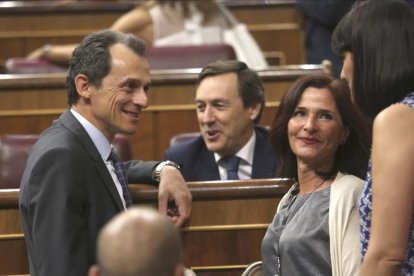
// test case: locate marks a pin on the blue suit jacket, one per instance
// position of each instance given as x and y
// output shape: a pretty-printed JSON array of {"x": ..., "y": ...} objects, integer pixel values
[{"x": 198, "y": 162}]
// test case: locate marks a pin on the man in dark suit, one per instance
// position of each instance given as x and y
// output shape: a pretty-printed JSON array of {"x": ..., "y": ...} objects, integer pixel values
[
  {"x": 73, "y": 184},
  {"x": 230, "y": 101}
]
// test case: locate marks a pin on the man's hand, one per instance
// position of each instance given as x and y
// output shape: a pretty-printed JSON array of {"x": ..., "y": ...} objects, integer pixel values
[{"x": 174, "y": 198}]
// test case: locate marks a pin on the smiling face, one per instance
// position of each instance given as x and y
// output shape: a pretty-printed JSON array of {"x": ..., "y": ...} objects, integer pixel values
[
  {"x": 226, "y": 125},
  {"x": 315, "y": 129},
  {"x": 115, "y": 106}
]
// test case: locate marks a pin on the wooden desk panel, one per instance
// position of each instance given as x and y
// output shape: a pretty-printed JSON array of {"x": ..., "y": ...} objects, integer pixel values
[
  {"x": 28, "y": 25},
  {"x": 227, "y": 224},
  {"x": 223, "y": 235},
  {"x": 13, "y": 256},
  {"x": 265, "y": 11},
  {"x": 287, "y": 39},
  {"x": 221, "y": 250}
]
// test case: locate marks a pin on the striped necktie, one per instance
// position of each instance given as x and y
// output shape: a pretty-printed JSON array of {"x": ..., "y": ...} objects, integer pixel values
[{"x": 122, "y": 177}]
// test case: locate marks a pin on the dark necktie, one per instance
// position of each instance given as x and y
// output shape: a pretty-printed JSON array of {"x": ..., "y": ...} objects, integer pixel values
[
  {"x": 231, "y": 164},
  {"x": 122, "y": 177}
]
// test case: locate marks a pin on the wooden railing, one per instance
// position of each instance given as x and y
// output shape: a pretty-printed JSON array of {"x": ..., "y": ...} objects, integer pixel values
[{"x": 222, "y": 236}]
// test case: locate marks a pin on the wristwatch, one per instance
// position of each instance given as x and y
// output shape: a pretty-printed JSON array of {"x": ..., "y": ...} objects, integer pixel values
[{"x": 157, "y": 171}]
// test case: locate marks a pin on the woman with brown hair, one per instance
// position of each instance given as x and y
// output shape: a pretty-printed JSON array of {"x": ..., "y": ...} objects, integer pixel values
[{"x": 322, "y": 141}]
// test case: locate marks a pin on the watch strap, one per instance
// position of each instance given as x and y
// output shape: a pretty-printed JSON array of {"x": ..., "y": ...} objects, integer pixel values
[{"x": 157, "y": 171}]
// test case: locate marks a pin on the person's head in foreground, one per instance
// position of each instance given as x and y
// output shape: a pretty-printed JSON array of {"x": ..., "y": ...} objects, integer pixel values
[{"x": 139, "y": 242}]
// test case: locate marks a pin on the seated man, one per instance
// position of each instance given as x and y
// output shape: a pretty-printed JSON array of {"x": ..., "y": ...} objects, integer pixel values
[
  {"x": 139, "y": 241},
  {"x": 230, "y": 101}
]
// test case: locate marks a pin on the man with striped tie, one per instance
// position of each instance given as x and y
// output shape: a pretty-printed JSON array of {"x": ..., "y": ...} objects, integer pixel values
[{"x": 73, "y": 183}]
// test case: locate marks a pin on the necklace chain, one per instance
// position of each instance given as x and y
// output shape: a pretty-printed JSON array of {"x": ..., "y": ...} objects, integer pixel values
[
  {"x": 320, "y": 184},
  {"x": 286, "y": 220}
]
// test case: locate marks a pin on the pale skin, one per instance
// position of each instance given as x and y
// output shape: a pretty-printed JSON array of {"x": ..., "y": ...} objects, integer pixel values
[
  {"x": 115, "y": 107},
  {"x": 392, "y": 191},
  {"x": 348, "y": 68},
  {"x": 137, "y": 21},
  {"x": 315, "y": 131},
  {"x": 154, "y": 230},
  {"x": 226, "y": 125}
]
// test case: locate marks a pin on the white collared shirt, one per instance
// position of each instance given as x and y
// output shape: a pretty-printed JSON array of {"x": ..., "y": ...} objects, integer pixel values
[
  {"x": 104, "y": 148},
  {"x": 246, "y": 154}
]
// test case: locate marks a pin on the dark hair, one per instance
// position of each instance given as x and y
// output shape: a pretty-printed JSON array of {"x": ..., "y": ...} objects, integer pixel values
[
  {"x": 250, "y": 86},
  {"x": 92, "y": 58},
  {"x": 351, "y": 157},
  {"x": 380, "y": 35}
]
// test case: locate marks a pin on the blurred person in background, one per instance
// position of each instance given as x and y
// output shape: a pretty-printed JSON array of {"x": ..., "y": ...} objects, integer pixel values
[
  {"x": 320, "y": 19},
  {"x": 159, "y": 23}
]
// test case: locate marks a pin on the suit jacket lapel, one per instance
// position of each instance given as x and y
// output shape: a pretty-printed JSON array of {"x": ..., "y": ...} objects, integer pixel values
[
  {"x": 263, "y": 160},
  {"x": 72, "y": 124},
  {"x": 206, "y": 167}
]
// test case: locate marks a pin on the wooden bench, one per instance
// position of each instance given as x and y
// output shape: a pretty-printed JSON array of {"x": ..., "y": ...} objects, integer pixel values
[
  {"x": 31, "y": 102},
  {"x": 223, "y": 235}
]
